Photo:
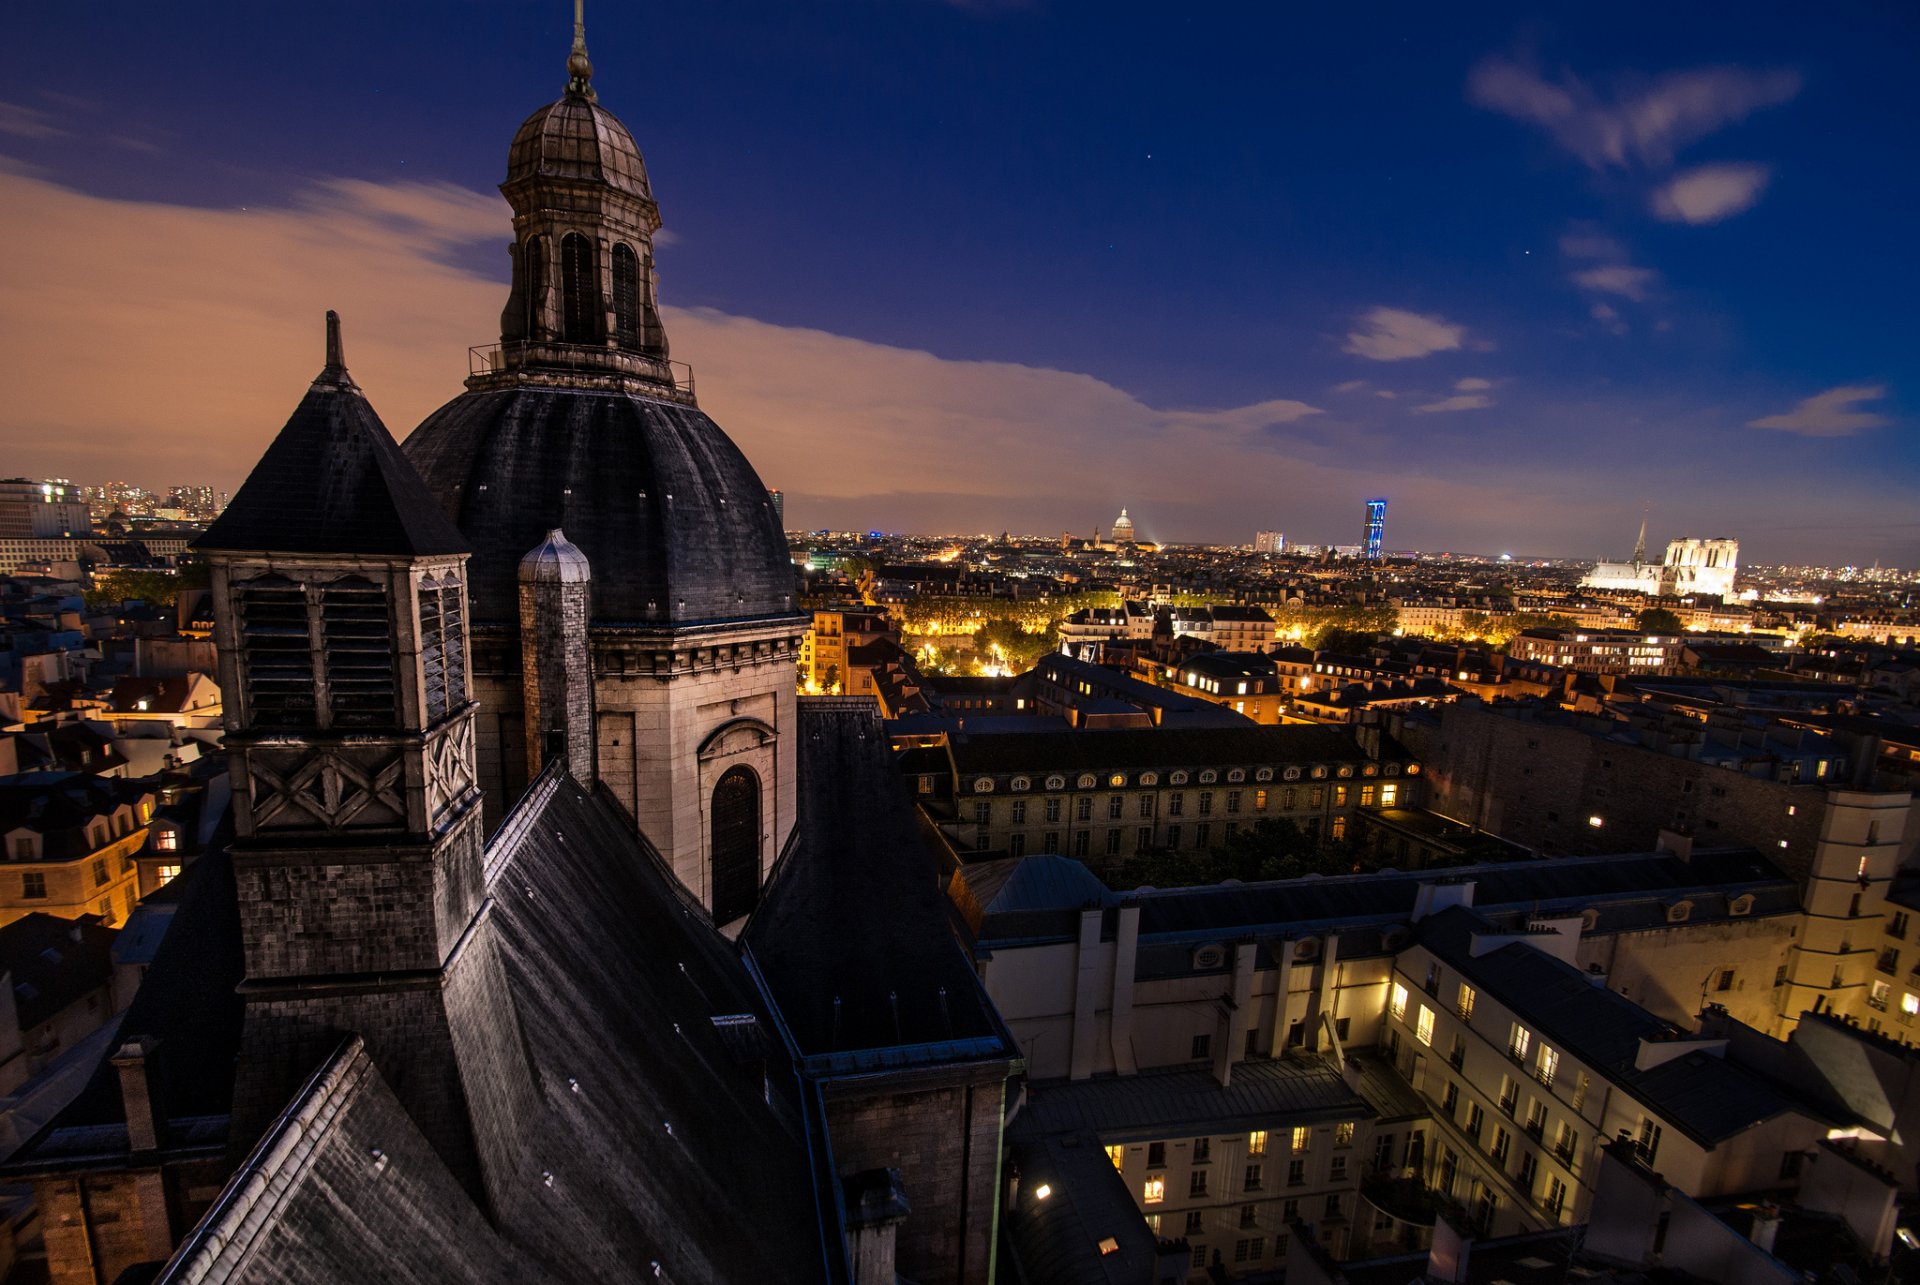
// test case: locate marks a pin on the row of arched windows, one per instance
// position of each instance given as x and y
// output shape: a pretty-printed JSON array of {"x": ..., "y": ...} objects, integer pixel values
[{"x": 581, "y": 317}]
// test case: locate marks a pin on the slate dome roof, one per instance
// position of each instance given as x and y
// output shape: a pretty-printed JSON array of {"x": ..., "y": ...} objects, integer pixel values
[
  {"x": 578, "y": 140},
  {"x": 677, "y": 526}
]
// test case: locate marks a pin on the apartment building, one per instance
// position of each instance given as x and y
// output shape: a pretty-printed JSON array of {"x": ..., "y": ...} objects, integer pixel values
[{"x": 1103, "y": 795}]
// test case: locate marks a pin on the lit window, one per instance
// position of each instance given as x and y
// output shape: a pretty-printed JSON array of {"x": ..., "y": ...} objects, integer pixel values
[
  {"x": 1549, "y": 1064},
  {"x": 1257, "y": 1143},
  {"x": 167, "y": 874},
  {"x": 1466, "y": 1002},
  {"x": 1518, "y": 1041},
  {"x": 1343, "y": 1134},
  {"x": 1118, "y": 1155},
  {"x": 1400, "y": 1001},
  {"x": 1153, "y": 1190},
  {"x": 1302, "y": 1137},
  {"x": 1910, "y": 1004},
  {"x": 1425, "y": 1029},
  {"x": 166, "y": 840}
]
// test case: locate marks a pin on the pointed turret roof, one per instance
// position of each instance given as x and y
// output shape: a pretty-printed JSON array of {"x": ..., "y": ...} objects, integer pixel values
[{"x": 334, "y": 481}]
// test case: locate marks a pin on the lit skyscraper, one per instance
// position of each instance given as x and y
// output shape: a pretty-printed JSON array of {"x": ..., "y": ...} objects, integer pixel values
[{"x": 1376, "y": 528}]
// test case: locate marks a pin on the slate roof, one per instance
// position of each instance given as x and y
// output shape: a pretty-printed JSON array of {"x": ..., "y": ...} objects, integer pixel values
[
  {"x": 1058, "y": 1238},
  {"x": 673, "y": 1144},
  {"x": 334, "y": 481},
  {"x": 1183, "y": 1101},
  {"x": 60, "y": 807},
  {"x": 672, "y": 518},
  {"x": 853, "y": 933},
  {"x": 54, "y": 963},
  {"x": 1628, "y": 890},
  {"x": 1708, "y": 1097},
  {"x": 188, "y": 1002},
  {"x": 344, "y": 1187}
]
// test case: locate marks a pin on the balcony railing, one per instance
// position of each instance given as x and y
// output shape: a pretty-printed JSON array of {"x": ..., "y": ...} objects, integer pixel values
[{"x": 585, "y": 359}]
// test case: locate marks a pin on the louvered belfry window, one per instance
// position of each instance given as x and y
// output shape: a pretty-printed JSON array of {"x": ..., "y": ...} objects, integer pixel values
[
  {"x": 358, "y": 628},
  {"x": 318, "y": 655},
  {"x": 276, "y": 652},
  {"x": 443, "y": 653},
  {"x": 626, "y": 296}
]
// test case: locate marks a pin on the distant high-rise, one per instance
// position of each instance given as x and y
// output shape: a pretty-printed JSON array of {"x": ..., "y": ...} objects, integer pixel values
[
  {"x": 1269, "y": 542},
  {"x": 1376, "y": 529},
  {"x": 779, "y": 507}
]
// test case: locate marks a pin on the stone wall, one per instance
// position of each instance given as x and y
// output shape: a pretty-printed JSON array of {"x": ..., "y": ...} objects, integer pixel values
[{"x": 944, "y": 1138}]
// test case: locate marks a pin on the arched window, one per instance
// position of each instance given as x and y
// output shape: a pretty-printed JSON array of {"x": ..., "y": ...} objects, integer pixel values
[
  {"x": 626, "y": 297},
  {"x": 534, "y": 256},
  {"x": 736, "y": 844},
  {"x": 580, "y": 313}
]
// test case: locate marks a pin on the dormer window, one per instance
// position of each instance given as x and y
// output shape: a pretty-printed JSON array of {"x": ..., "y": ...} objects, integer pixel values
[
  {"x": 1679, "y": 912},
  {"x": 1741, "y": 905}
]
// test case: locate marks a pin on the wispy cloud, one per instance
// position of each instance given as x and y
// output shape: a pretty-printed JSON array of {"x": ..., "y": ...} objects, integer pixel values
[
  {"x": 1609, "y": 318},
  {"x": 1618, "y": 278},
  {"x": 1462, "y": 401},
  {"x": 1829, "y": 414},
  {"x": 27, "y": 122},
  {"x": 1603, "y": 266},
  {"x": 1469, "y": 394},
  {"x": 1643, "y": 123},
  {"x": 1394, "y": 334},
  {"x": 1711, "y": 193}
]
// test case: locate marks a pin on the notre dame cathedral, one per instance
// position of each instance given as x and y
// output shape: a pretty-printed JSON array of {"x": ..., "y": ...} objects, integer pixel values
[{"x": 553, "y": 939}]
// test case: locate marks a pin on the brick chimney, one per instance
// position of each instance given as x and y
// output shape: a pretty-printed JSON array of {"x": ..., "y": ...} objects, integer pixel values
[
  {"x": 138, "y": 1092},
  {"x": 876, "y": 1206}
]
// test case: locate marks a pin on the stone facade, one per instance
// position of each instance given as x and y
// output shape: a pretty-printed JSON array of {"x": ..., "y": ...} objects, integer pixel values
[
  {"x": 940, "y": 1128},
  {"x": 673, "y": 710}
]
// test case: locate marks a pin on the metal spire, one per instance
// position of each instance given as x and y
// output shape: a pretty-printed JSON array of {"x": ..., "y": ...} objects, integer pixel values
[
  {"x": 579, "y": 68},
  {"x": 1640, "y": 545}
]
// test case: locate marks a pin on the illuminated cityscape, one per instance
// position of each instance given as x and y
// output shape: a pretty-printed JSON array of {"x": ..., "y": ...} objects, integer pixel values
[{"x": 476, "y": 828}]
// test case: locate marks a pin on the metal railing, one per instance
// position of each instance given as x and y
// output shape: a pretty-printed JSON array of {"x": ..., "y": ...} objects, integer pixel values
[{"x": 501, "y": 358}]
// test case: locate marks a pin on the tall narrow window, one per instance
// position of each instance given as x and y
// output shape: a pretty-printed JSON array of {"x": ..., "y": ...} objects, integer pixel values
[
  {"x": 736, "y": 844},
  {"x": 580, "y": 312},
  {"x": 535, "y": 258},
  {"x": 626, "y": 296},
  {"x": 358, "y": 635},
  {"x": 276, "y": 648}
]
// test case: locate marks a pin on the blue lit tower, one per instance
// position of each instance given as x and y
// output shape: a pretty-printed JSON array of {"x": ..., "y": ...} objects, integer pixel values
[{"x": 1376, "y": 528}]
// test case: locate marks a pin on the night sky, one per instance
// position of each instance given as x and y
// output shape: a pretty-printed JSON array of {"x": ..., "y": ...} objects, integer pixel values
[{"x": 979, "y": 265}]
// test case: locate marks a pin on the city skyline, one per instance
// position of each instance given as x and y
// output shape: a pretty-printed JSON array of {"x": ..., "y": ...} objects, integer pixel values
[{"x": 875, "y": 262}]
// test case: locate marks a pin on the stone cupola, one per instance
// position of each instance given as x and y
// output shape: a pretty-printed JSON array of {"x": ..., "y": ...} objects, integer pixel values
[{"x": 584, "y": 309}]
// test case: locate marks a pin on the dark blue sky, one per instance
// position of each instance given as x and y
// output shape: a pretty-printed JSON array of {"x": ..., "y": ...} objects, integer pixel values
[{"x": 1610, "y": 237}]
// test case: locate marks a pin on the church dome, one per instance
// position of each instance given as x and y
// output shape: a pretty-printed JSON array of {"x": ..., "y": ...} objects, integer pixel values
[
  {"x": 577, "y": 140},
  {"x": 674, "y": 521}
]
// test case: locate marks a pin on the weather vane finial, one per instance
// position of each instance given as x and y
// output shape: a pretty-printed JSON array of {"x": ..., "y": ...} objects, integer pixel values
[{"x": 579, "y": 69}]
